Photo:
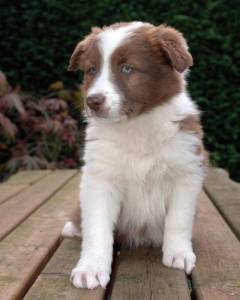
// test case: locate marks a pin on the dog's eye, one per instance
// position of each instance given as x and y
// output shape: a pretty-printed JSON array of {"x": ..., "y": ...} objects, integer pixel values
[
  {"x": 126, "y": 69},
  {"x": 91, "y": 70}
]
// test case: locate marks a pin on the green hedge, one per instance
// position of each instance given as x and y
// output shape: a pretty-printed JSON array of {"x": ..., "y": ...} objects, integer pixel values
[{"x": 37, "y": 38}]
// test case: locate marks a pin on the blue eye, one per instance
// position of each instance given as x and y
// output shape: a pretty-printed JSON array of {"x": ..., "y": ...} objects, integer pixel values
[{"x": 126, "y": 69}]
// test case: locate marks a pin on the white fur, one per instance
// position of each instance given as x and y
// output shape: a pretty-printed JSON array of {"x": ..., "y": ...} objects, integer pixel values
[
  {"x": 146, "y": 168},
  {"x": 142, "y": 176},
  {"x": 109, "y": 40},
  {"x": 70, "y": 230}
]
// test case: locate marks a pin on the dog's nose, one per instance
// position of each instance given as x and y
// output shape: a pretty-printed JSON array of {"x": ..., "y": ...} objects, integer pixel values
[{"x": 95, "y": 101}]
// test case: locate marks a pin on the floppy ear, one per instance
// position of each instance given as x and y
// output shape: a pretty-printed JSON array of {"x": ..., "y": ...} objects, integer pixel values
[
  {"x": 76, "y": 56},
  {"x": 172, "y": 43},
  {"x": 75, "y": 59}
]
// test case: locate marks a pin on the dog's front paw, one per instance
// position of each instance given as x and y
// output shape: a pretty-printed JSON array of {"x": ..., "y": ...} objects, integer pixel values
[
  {"x": 183, "y": 260},
  {"x": 90, "y": 276}
]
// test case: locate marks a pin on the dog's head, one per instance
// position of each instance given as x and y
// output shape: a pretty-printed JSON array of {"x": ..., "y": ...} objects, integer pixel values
[{"x": 130, "y": 68}]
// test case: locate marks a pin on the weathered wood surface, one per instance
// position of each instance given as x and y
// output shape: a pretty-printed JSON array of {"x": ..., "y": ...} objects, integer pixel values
[
  {"x": 36, "y": 262},
  {"x": 225, "y": 194},
  {"x": 19, "y": 207},
  {"x": 54, "y": 284},
  {"x": 19, "y": 182},
  {"x": 140, "y": 275},
  {"x": 30, "y": 245},
  {"x": 217, "y": 272}
]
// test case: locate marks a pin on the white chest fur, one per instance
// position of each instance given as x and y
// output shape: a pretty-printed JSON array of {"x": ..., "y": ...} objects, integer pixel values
[{"x": 142, "y": 158}]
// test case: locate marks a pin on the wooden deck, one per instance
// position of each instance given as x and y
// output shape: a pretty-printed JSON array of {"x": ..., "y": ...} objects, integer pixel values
[{"x": 35, "y": 263}]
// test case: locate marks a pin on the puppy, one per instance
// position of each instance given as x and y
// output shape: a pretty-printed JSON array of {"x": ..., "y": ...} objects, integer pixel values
[{"x": 144, "y": 156}]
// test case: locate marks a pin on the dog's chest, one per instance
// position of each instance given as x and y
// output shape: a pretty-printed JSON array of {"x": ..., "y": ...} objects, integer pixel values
[
  {"x": 146, "y": 186},
  {"x": 141, "y": 166},
  {"x": 144, "y": 203}
]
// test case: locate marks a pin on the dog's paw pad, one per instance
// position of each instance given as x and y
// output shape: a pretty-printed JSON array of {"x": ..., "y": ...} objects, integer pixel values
[
  {"x": 180, "y": 260},
  {"x": 84, "y": 277}
]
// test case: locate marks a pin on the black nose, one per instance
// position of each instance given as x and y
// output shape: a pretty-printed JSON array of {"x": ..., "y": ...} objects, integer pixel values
[{"x": 95, "y": 101}]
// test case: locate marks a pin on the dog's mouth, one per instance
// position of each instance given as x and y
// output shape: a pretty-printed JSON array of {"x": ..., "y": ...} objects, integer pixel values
[
  {"x": 100, "y": 113},
  {"x": 106, "y": 115}
]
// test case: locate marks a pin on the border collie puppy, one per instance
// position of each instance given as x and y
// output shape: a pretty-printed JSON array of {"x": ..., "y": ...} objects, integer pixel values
[{"x": 144, "y": 156}]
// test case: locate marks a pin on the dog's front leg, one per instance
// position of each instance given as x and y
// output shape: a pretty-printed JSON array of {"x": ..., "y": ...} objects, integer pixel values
[
  {"x": 99, "y": 202},
  {"x": 177, "y": 244}
]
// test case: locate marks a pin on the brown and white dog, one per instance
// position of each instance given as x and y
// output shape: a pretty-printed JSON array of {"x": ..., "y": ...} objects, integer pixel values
[{"x": 144, "y": 157}]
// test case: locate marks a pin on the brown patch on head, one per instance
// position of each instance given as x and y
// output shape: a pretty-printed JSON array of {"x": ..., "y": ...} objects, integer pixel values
[
  {"x": 91, "y": 58},
  {"x": 76, "y": 59},
  {"x": 152, "y": 82},
  {"x": 86, "y": 57},
  {"x": 192, "y": 125},
  {"x": 170, "y": 42},
  {"x": 156, "y": 55}
]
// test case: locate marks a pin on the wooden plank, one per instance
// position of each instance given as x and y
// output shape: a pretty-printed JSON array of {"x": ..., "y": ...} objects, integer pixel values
[
  {"x": 18, "y": 208},
  {"x": 225, "y": 194},
  {"x": 140, "y": 275},
  {"x": 7, "y": 191},
  {"x": 27, "y": 177},
  {"x": 217, "y": 272},
  {"x": 19, "y": 182},
  {"x": 25, "y": 251},
  {"x": 54, "y": 284}
]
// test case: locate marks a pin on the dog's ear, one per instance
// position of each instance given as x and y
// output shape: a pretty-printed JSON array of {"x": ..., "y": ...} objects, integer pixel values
[
  {"x": 173, "y": 45},
  {"x": 74, "y": 62},
  {"x": 75, "y": 59}
]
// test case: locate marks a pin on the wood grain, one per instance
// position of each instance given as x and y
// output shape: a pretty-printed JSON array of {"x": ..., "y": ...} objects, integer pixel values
[
  {"x": 217, "y": 272},
  {"x": 18, "y": 208},
  {"x": 140, "y": 275},
  {"x": 225, "y": 194},
  {"x": 19, "y": 182},
  {"x": 54, "y": 284},
  {"x": 25, "y": 251},
  {"x": 27, "y": 177}
]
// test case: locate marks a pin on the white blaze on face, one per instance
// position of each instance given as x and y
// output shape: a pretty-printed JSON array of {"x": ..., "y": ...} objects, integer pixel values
[{"x": 109, "y": 41}]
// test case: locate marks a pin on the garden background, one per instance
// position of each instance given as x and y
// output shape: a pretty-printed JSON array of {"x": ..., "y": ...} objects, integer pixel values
[{"x": 40, "y": 102}]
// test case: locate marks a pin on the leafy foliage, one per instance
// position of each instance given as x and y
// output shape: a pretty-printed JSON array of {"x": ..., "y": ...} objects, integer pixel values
[
  {"x": 36, "y": 134},
  {"x": 38, "y": 36}
]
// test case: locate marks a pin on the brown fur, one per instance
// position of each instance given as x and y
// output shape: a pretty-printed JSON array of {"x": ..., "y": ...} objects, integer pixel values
[
  {"x": 157, "y": 55},
  {"x": 161, "y": 54},
  {"x": 91, "y": 57},
  {"x": 171, "y": 43},
  {"x": 192, "y": 124},
  {"x": 76, "y": 58},
  {"x": 152, "y": 82}
]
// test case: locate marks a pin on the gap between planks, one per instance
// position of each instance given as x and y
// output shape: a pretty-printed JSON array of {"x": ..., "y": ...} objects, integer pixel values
[
  {"x": 25, "y": 251},
  {"x": 53, "y": 283},
  {"x": 216, "y": 275},
  {"x": 18, "y": 182},
  {"x": 217, "y": 272},
  {"x": 139, "y": 274},
  {"x": 225, "y": 194},
  {"x": 19, "y": 207}
]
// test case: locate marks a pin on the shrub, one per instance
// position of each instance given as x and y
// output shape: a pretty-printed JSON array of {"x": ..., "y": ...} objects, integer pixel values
[
  {"x": 37, "y": 134},
  {"x": 38, "y": 36}
]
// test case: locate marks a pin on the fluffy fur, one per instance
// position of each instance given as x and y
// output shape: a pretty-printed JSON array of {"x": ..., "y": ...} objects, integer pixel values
[{"x": 144, "y": 158}]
